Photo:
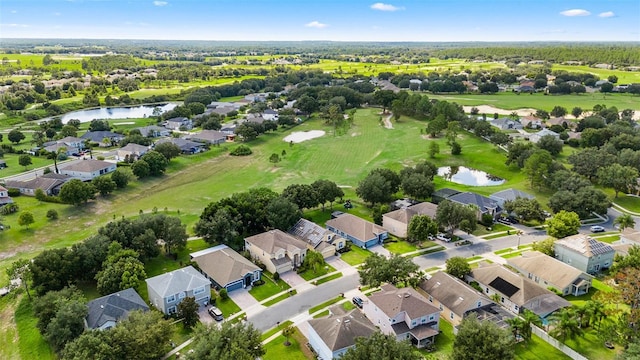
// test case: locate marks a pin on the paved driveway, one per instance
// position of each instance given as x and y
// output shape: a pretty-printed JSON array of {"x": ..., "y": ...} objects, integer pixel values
[
  {"x": 292, "y": 278},
  {"x": 242, "y": 298},
  {"x": 379, "y": 249},
  {"x": 337, "y": 263},
  {"x": 205, "y": 318}
]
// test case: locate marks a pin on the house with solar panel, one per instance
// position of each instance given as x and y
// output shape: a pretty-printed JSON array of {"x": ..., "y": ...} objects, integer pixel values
[
  {"x": 318, "y": 238},
  {"x": 584, "y": 253}
]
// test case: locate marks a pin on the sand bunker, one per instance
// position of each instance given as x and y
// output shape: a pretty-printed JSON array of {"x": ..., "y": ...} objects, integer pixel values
[
  {"x": 124, "y": 123},
  {"x": 300, "y": 136},
  {"x": 490, "y": 110}
]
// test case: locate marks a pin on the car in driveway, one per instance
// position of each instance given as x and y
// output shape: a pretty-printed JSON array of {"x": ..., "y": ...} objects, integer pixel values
[
  {"x": 357, "y": 302},
  {"x": 215, "y": 313},
  {"x": 596, "y": 229},
  {"x": 443, "y": 237}
]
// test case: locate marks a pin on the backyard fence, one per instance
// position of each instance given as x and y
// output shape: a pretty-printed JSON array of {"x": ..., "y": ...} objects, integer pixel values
[{"x": 557, "y": 344}]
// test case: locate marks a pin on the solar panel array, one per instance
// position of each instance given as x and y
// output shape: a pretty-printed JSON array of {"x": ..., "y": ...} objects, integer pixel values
[{"x": 308, "y": 231}]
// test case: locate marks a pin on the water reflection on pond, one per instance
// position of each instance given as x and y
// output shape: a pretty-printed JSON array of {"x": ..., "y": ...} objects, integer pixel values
[
  {"x": 466, "y": 176},
  {"x": 118, "y": 112}
]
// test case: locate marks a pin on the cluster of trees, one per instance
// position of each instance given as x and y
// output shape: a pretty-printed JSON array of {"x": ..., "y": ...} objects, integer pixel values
[
  {"x": 380, "y": 185},
  {"x": 396, "y": 270},
  {"x": 244, "y": 214}
]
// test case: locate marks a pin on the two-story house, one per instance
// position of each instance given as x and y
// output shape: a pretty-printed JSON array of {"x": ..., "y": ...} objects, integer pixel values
[
  {"x": 584, "y": 253},
  {"x": 318, "y": 238},
  {"x": 166, "y": 291},
  {"x": 362, "y": 233},
  {"x": 549, "y": 272},
  {"x": 404, "y": 313},
  {"x": 277, "y": 250},
  {"x": 483, "y": 204},
  {"x": 4, "y": 196},
  {"x": 397, "y": 221}
]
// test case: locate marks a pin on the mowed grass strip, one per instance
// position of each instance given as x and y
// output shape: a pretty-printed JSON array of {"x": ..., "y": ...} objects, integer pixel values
[
  {"x": 325, "y": 304},
  {"x": 328, "y": 278},
  {"x": 280, "y": 298},
  {"x": 267, "y": 334}
]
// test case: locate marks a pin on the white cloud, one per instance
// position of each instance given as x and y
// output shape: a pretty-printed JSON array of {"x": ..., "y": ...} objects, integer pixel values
[
  {"x": 160, "y": 3},
  {"x": 386, "y": 7},
  {"x": 575, "y": 12},
  {"x": 15, "y": 25},
  {"x": 14, "y": 11},
  {"x": 56, "y": 14},
  {"x": 606, "y": 14},
  {"x": 316, "y": 24}
]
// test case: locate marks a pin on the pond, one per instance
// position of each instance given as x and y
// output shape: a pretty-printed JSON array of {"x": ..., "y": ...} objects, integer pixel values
[
  {"x": 120, "y": 112},
  {"x": 466, "y": 176}
]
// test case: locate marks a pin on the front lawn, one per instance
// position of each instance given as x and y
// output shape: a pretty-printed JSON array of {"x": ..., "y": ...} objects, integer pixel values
[
  {"x": 495, "y": 228},
  {"x": 297, "y": 350},
  {"x": 269, "y": 288},
  {"x": 228, "y": 307},
  {"x": 267, "y": 334},
  {"x": 400, "y": 247},
  {"x": 355, "y": 256},
  {"x": 311, "y": 274},
  {"x": 328, "y": 278}
]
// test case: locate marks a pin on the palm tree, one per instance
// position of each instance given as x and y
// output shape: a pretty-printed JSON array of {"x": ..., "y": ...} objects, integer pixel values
[
  {"x": 625, "y": 221},
  {"x": 596, "y": 311},
  {"x": 565, "y": 324},
  {"x": 517, "y": 326},
  {"x": 530, "y": 318}
]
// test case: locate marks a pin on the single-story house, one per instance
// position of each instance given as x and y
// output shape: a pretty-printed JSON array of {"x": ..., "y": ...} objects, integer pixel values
[
  {"x": 166, "y": 291},
  {"x": 549, "y": 272},
  {"x": 101, "y": 136},
  {"x": 561, "y": 121},
  {"x": 88, "y": 169},
  {"x": 516, "y": 293},
  {"x": 270, "y": 114},
  {"x": 153, "y": 131},
  {"x": 224, "y": 110},
  {"x": 186, "y": 146},
  {"x": 257, "y": 119},
  {"x": 131, "y": 151},
  {"x": 106, "y": 311},
  {"x": 361, "y": 232},
  {"x": 318, "y": 238},
  {"x": 506, "y": 124},
  {"x": 4, "y": 196},
  {"x": 584, "y": 253},
  {"x": 443, "y": 194},
  {"x": 178, "y": 123},
  {"x": 259, "y": 97},
  {"x": 277, "y": 250},
  {"x": 56, "y": 147},
  {"x": 511, "y": 194},
  {"x": 208, "y": 136},
  {"x": 397, "y": 222},
  {"x": 531, "y": 122},
  {"x": 404, "y": 313},
  {"x": 226, "y": 268},
  {"x": 453, "y": 297},
  {"x": 49, "y": 183},
  {"x": 534, "y": 138},
  {"x": 484, "y": 204},
  {"x": 331, "y": 336}
]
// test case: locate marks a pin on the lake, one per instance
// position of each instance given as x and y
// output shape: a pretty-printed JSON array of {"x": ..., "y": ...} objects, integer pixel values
[
  {"x": 119, "y": 112},
  {"x": 466, "y": 176}
]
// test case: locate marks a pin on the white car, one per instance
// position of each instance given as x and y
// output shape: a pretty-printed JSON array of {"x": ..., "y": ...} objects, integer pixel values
[
  {"x": 597, "y": 229},
  {"x": 443, "y": 237}
]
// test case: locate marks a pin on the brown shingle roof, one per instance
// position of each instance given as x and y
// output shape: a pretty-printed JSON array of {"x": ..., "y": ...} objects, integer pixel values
[
  {"x": 87, "y": 166},
  {"x": 341, "y": 330},
  {"x": 547, "y": 268},
  {"x": 393, "y": 301},
  {"x": 356, "y": 227},
  {"x": 223, "y": 265},
  {"x": 452, "y": 293},
  {"x": 273, "y": 240},
  {"x": 404, "y": 215}
]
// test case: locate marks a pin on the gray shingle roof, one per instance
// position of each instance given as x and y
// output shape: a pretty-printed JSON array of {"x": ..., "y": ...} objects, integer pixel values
[
  {"x": 273, "y": 240},
  {"x": 510, "y": 195},
  {"x": 547, "y": 268},
  {"x": 357, "y": 227},
  {"x": 585, "y": 245},
  {"x": 223, "y": 264},
  {"x": 176, "y": 281},
  {"x": 393, "y": 301},
  {"x": 452, "y": 293},
  {"x": 482, "y": 202},
  {"x": 404, "y": 215},
  {"x": 88, "y": 165},
  {"x": 340, "y": 331},
  {"x": 113, "y": 307}
]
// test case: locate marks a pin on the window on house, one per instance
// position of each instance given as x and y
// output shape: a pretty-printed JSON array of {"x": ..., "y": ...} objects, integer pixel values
[
  {"x": 182, "y": 295},
  {"x": 516, "y": 308},
  {"x": 199, "y": 290},
  {"x": 171, "y": 298},
  {"x": 502, "y": 299},
  {"x": 431, "y": 317},
  {"x": 479, "y": 303},
  {"x": 430, "y": 298},
  {"x": 423, "y": 320},
  {"x": 451, "y": 315},
  {"x": 414, "y": 323},
  {"x": 171, "y": 310},
  {"x": 486, "y": 290},
  {"x": 441, "y": 307}
]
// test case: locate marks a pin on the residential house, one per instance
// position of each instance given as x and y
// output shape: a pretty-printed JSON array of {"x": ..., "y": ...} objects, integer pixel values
[
  {"x": 506, "y": 124},
  {"x": 397, "y": 221},
  {"x": 59, "y": 148},
  {"x": 178, "y": 123},
  {"x": 454, "y": 298},
  {"x": 561, "y": 121},
  {"x": 224, "y": 111},
  {"x": 510, "y": 194},
  {"x": 226, "y": 268},
  {"x": 186, "y": 146},
  {"x": 404, "y": 313},
  {"x": 88, "y": 169},
  {"x": 253, "y": 118},
  {"x": 4, "y": 196},
  {"x": 131, "y": 151},
  {"x": 103, "y": 138},
  {"x": 166, "y": 291},
  {"x": 277, "y": 250},
  {"x": 261, "y": 97},
  {"x": 484, "y": 204},
  {"x": 534, "y": 138},
  {"x": 105, "y": 312},
  {"x": 514, "y": 292},
  {"x": 443, "y": 194},
  {"x": 209, "y": 137},
  {"x": 154, "y": 131},
  {"x": 549, "y": 272},
  {"x": 49, "y": 183},
  {"x": 629, "y": 238},
  {"x": 318, "y": 238},
  {"x": 531, "y": 122},
  {"x": 223, "y": 104},
  {"x": 270, "y": 114},
  {"x": 331, "y": 336},
  {"x": 584, "y": 253},
  {"x": 361, "y": 232}
]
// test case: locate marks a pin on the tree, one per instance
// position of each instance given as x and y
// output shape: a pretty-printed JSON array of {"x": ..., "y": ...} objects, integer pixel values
[
  {"x": 565, "y": 323},
  {"x": 287, "y": 332},
  {"x": 450, "y": 215},
  {"x": 15, "y": 136},
  {"x": 420, "y": 228},
  {"x": 68, "y": 130},
  {"x": 526, "y": 209},
  {"x": 458, "y": 266},
  {"x": 456, "y": 148},
  {"x": 381, "y": 347},
  {"x": 375, "y": 189},
  {"x": 377, "y": 269},
  {"x": 24, "y": 160},
  {"x": 25, "y": 219},
  {"x": 620, "y": 178},
  {"x": 530, "y": 318},
  {"x": 274, "y": 158},
  {"x": 168, "y": 150},
  {"x": 519, "y": 152},
  {"x": 226, "y": 342},
  {"x": 99, "y": 125},
  {"x": 92, "y": 344},
  {"x": 545, "y": 246},
  {"x": 434, "y": 149},
  {"x": 188, "y": 312},
  {"x": 558, "y": 111},
  {"x": 121, "y": 177},
  {"x": 500, "y": 138},
  {"x": 282, "y": 213},
  {"x": 606, "y": 88},
  {"x": 156, "y": 161},
  {"x": 538, "y": 167},
  {"x": 563, "y": 224},
  {"x": 67, "y": 324},
  {"x": 104, "y": 185},
  {"x": 141, "y": 169},
  {"x": 576, "y": 112},
  {"x": 76, "y": 192},
  {"x": 482, "y": 340},
  {"x": 20, "y": 270},
  {"x": 584, "y": 202},
  {"x": 121, "y": 270},
  {"x": 327, "y": 191},
  {"x": 417, "y": 186},
  {"x": 222, "y": 227},
  {"x": 625, "y": 221},
  {"x": 384, "y": 98},
  {"x": 550, "y": 143},
  {"x": 303, "y": 195}
]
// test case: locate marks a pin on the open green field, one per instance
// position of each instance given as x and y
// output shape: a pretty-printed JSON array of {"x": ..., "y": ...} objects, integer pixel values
[
  {"x": 631, "y": 203},
  {"x": 624, "y": 77}
]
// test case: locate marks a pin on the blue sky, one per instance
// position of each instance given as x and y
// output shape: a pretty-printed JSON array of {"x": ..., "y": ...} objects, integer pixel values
[{"x": 336, "y": 20}]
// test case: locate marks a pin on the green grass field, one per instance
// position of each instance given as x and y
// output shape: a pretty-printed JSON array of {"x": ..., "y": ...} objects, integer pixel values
[
  {"x": 30, "y": 342},
  {"x": 624, "y": 77},
  {"x": 276, "y": 350},
  {"x": 311, "y": 274},
  {"x": 356, "y": 256},
  {"x": 267, "y": 334},
  {"x": 228, "y": 307},
  {"x": 325, "y": 304},
  {"x": 631, "y": 203},
  {"x": 280, "y": 298},
  {"x": 328, "y": 278},
  {"x": 269, "y": 288}
]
